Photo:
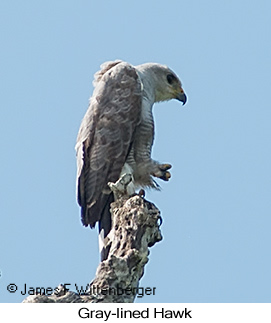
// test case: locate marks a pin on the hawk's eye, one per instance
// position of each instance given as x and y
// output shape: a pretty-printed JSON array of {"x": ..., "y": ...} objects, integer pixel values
[{"x": 170, "y": 78}]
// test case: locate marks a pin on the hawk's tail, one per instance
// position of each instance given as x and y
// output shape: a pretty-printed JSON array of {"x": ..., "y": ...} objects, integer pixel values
[{"x": 105, "y": 224}]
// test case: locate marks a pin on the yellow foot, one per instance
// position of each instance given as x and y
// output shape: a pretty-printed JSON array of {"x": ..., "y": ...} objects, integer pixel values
[{"x": 163, "y": 172}]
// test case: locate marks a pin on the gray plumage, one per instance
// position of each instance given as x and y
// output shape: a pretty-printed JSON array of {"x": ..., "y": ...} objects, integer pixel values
[{"x": 116, "y": 134}]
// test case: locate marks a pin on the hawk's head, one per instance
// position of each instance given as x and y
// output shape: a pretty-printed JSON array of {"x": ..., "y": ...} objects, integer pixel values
[{"x": 164, "y": 82}]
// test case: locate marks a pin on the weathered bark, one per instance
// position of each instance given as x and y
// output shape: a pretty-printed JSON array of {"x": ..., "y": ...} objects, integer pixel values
[{"x": 135, "y": 228}]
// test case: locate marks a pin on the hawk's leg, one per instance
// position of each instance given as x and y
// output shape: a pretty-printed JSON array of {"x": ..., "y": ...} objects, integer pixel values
[
  {"x": 123, "y": 186},
  {"x": 161, "y": 171}
]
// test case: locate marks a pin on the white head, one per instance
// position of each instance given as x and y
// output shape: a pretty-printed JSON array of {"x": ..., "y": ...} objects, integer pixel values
[{"x": 162, "y": 81}]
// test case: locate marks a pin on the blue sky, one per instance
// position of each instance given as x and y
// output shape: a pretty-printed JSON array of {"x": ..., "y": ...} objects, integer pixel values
[{"x": 216, "y": 209}]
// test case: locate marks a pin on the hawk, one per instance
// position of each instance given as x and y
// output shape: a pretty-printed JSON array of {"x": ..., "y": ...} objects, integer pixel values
[{"x": 116, "y": 136}]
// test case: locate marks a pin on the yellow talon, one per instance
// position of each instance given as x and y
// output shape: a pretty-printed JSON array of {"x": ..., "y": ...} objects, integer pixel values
[
  {"x": 167, "y": 175},
  {"x": 165, "y": 166}
]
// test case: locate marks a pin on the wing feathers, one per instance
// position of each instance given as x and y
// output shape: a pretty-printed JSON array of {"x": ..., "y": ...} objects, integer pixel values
[{"x": 106, "y": 134}]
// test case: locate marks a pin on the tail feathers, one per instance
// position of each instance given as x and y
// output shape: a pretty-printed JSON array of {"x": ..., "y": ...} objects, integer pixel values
[
  {"x": 104, "y": 245},
  {"x": 92, "y": 214},
  {"x": 105, "y": 224}
]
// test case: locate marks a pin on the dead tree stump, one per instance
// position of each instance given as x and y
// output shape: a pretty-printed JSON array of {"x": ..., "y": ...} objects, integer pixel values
[{"x": 135, "y": 228}]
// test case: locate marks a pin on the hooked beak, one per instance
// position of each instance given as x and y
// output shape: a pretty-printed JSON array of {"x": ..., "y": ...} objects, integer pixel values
[{"x": 182, "y": 97}]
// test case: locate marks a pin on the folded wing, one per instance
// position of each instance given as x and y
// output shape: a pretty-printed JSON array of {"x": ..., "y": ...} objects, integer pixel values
[{"x": 106, "y": 135}]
